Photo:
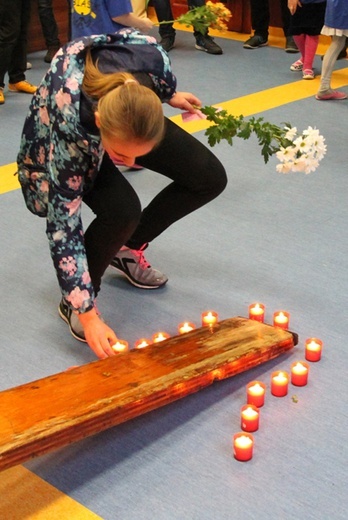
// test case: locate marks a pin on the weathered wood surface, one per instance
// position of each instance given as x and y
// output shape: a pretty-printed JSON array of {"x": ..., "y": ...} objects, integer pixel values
[{"x": 55, "y": 411}]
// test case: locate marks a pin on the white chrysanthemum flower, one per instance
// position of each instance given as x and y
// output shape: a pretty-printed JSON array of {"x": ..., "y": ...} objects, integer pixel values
[
  {"x": 305, "y": 152},
  {"x": 290, "y": 133},
  {"x": 286, "y": 154},
  {"x": 285, "y": 167}
]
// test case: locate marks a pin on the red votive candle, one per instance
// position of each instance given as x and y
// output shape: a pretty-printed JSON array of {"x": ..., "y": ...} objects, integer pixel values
[
  {"x": 279, "y": 383},
  {"x": 249, "y": 418},
  {"x": 120, "y": 346},
  {"x": 209, "y": 318},
  {"x": 281, "y": 319},
  {"x": 160, "y": 336},
  {"x": 256, "y": 393},
  {"x": 142, "y": 343},
  {"x": 186, "y": 326},
  {"x": 299, "y": 373},
  {"x": 314, "y": 347},
  {"x": 257, "y": 312},
  {"x": 243, "y": 444}
]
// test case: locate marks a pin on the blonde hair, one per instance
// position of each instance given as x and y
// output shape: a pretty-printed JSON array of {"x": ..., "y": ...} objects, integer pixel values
[{"x": 127, "y": 110}]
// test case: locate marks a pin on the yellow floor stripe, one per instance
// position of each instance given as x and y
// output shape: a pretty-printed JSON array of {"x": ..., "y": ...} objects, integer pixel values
[
  {"x": 267, "y": 99},
  {"x": 26, "y": 496},
  {"x": 8, "y": 181}
]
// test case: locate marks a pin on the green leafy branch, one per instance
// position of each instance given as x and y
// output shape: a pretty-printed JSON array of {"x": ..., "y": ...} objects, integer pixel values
[{"x": 226, "y": 126}]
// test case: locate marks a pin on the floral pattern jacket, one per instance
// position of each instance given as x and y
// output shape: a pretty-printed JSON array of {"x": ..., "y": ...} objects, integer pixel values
[{"x": 59, "y": 159}]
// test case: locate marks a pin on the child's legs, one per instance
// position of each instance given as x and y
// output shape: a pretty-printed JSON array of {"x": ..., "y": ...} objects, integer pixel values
[
  {"x": 300, "y": 42},
  {"x": 337, "y": 44},
  {"x": 311, "y": 45}
]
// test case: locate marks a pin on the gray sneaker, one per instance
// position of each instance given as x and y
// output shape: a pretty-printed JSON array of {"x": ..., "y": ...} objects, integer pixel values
[
  {"x": 255, "y": 42},
  {"x": 66, "y": 313},
  {"x": 133, "y": 264}
]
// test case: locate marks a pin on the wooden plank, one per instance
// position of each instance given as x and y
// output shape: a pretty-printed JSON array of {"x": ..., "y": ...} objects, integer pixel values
[{"x": 52, "y": 412}]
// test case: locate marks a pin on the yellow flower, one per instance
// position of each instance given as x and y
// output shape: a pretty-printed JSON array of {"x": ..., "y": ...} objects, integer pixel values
[{"x": 211, "y": 15}]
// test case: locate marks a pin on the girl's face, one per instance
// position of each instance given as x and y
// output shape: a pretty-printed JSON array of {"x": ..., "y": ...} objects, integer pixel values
[
  {"x": 126, "y": 151},
  {"x": 121, "y": 151}
]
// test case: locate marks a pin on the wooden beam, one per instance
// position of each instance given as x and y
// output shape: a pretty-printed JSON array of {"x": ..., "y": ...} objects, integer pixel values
[{"x": 55, "y": 411}]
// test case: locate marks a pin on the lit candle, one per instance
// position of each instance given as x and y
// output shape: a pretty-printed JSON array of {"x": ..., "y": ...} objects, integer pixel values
[
  {"x": 120, "y": 346},
  {"x": 256, "y": 393},
  {"x": 185, "y": 327},
  {"x": 142, "y": 343},
  {"x": 281, "y": 319},
  {"x": 257, "y": 312},
  {"x": 299, "y": 373},
  {"x": 279, "y": 383},
  {"x": 314, "y": 347},
  {"x": 160, "y": 336},
  {"x": 243, "y": 444},
  {"x": 217, "y": 374},
  {"x": 249, "y": 416},
  {"x": 209, "y": 318}
]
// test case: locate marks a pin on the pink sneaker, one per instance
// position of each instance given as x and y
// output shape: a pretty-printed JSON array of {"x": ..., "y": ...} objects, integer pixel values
[
  {"x": 297, "y": 66},
  {"x": 308, "y": 74},
  {"x": 331, "y": 94}
]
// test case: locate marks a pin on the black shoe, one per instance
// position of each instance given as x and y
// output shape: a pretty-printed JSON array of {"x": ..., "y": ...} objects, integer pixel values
[
  {"x": 51, "y": 52},
  {"x": 72, "y": 320},
  {"x": 290, "y": 45},
  {"x": 167, "y": 43},
  {"x": 255, "y": 42},
  {"x": 206, "y": 43}
]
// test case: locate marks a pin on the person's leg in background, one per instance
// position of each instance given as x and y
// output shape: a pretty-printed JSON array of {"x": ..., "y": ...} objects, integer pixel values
[
  {"x": 14, "y": 22},
  {"x": 163, "y": 9},
  {"x": 204, "y": 42},
  {"x": 260, "y": 18},
  {"x": 325, "y": 91},
  {"x": 290, "y": 45},
  {"x": 49, "y": 28},
  {"x": 167, "y": 32}
]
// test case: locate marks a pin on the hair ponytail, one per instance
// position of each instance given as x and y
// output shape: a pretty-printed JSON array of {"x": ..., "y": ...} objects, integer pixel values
[{"x": 127, "y": 110}]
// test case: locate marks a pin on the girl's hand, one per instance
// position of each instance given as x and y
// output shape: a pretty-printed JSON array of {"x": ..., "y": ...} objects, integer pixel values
[
  {"x": 98, "y": 335},
  {"x": 185, "y": 101},
  {"x": 292, "y": 5}
]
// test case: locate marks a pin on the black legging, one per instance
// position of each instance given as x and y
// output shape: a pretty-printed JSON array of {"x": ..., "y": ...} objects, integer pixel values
[{"x": 197, "y": 175}]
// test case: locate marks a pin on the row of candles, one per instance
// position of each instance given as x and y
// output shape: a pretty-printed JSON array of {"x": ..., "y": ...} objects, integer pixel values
[
  {"x": 243, "y": 442},
  {"x": 208, "y": 319}
]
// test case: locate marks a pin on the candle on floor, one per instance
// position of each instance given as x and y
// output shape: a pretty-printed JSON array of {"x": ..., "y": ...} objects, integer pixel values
[
  {"x": 279, "y": 383},
  {"x": 160, "y": 336},
  {"x": 243, "y": 444},
  {"x": 281, "y": 319},
  {"x": 249, "y": 416},
  {"x": 299, "y": 373},
  {"x": 256, "y": 393},
  {"x": 186, "y": 326},
  {"x": 257, "y": 312},
  {"x": 120, "y": 346},
  {"x": 209, "y": 318},
  {"x": 142, "y": 343},
  {"x": 314, "y": 347}
]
